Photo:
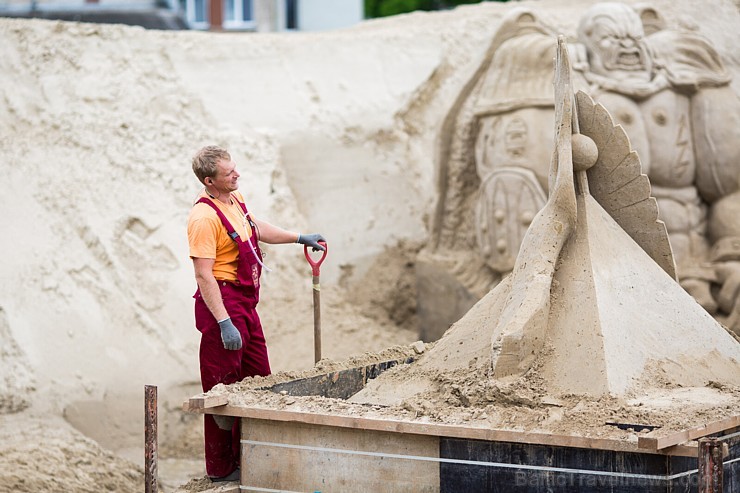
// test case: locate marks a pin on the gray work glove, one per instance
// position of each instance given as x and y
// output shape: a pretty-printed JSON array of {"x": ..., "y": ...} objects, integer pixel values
[
  {"x": 312, "y": 240},
  {"x": 230, "y": 336}
]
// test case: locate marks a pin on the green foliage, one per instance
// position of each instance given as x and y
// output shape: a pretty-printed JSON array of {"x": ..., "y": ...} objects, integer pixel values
[{"x": 384, "y": 8}]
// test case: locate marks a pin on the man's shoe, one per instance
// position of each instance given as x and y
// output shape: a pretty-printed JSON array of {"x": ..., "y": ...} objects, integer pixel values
[{"x": 234, "y": 476}]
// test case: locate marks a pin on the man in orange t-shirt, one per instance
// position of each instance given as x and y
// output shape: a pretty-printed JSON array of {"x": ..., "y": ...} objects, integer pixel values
[{"x": 223, "y": 239}]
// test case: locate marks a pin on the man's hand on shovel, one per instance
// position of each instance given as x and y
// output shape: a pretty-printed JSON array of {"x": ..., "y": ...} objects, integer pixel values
[{"x": 313, "y": 241}]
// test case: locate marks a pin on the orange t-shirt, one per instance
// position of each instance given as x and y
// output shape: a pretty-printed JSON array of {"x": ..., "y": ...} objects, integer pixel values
[{"x": 208, "y": 238}]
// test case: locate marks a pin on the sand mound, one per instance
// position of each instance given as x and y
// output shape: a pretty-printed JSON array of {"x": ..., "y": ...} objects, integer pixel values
[
  {"x": 97, "y": 143},
  {"x": 97, "y": 130},
  {"x": 46, "y": 454}
]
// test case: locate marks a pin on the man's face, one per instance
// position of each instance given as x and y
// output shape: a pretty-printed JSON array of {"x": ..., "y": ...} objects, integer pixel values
[
  {"x": 226, "y": 179},
  {"x": 617, "y": 48}
]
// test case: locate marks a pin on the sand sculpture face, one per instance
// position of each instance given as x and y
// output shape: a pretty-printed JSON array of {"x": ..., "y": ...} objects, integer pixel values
[
  {"x": 614, "y": 38},
  {"x": 670, "y": 93}
]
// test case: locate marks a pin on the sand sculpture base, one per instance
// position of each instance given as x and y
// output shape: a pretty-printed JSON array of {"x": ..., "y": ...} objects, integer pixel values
[{"x": 302, "y": 434}]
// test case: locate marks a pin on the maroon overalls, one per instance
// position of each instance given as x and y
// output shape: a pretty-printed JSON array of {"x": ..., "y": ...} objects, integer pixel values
[{"x": 220, "y": 365}]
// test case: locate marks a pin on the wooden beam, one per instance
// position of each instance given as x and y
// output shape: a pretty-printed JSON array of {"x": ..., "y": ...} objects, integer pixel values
[
  {"x": 435, "y": 429},
  {"x": 278, "y": 460},
  {"x": 341, "y": 384},
  {"x": 204, "y": 401},
  {"x": 652, "y": 442},
  {"x": 688, "y": 449}
]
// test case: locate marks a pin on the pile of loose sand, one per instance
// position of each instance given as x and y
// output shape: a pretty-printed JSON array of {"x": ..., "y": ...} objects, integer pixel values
[
  {"x": 470, "y": 396},
  {"x": 46, "y": 454}
]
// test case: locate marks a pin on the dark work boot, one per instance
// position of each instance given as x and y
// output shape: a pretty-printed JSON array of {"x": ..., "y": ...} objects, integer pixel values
[{"x": 234, "y": 476}]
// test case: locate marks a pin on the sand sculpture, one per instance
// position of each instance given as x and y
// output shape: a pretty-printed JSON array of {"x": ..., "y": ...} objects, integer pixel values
[
  {"x": 594, "y": 276},
  {"x": 594, "y": 279},
  {"x": 669, "y": 91}
]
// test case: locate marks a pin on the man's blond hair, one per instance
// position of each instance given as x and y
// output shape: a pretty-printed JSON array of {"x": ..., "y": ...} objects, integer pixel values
[{"x": 206, "y": 159}]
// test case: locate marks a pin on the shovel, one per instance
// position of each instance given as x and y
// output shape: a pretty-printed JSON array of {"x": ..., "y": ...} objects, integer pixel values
[{"x": 315, "y": 266}]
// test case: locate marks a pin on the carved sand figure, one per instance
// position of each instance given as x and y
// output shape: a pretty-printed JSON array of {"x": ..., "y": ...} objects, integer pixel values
[
  {"x": 594, "y": 281},
  {"x": 493, "y": 175},
  {"x": 572, "y": 250},
  {"x": 670, "y": 92}
]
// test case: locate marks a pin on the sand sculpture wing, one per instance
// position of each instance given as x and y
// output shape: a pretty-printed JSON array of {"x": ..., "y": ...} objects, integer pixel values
[
  {"x": 616, "y": 181},
  {"x": 519, "y": 335}
]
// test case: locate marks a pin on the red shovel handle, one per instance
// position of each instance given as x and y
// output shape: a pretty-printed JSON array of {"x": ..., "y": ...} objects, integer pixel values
[{"x": 316, "y": 264}]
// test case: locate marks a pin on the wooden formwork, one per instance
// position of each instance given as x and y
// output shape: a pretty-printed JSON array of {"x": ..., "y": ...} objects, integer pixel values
[{"x": 284, "y": 450}]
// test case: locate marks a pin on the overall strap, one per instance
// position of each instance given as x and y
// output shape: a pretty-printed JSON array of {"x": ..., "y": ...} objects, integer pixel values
[
  {"x": 229, "y": 228},
  {"x": 255, "y": 230}
]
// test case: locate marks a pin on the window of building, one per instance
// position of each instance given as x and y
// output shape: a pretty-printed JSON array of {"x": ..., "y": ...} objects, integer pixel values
[
  {"x": 291, "y": 14},
  {"x": 196, "y": 12},
  {"x": 238, "y": 14}
]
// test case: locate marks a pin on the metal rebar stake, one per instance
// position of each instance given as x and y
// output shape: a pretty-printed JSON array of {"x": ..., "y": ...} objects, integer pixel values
[
  {"x": 150, "y": 439},
  {"x": 710, "y": 465}
]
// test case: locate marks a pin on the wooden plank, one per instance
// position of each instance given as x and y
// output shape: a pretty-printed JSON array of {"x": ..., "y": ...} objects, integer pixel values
[
  {"x": 652, "y": 442},
  {"x": 279, "y": 456},
  {"x": 658, "y": 443},
  {"x": 204, "y": 401},
  {"x": 524, "y": 476},
  {"x": 687, "y": 449},
  {"x": 435, "y": 429},
  {"x": 340, "y": 384}
]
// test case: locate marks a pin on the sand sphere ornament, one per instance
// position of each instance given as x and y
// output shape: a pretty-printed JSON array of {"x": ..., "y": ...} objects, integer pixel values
[{"x": 585, "y": 152}]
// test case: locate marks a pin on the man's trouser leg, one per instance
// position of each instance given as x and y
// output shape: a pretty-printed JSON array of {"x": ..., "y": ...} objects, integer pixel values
[{"x": 219, "y": 365}]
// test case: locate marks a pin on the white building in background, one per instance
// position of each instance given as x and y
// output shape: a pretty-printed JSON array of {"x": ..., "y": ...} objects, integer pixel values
[
  {"x": 322, "y": 15},
  {"x": 272, "y": 15},
  {"x": 17, "y": 5},
  {"x": 219, "y": 15}
]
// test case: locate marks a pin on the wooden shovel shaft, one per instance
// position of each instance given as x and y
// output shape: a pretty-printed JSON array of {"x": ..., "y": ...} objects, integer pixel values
[{"x": 316, "y": 319}]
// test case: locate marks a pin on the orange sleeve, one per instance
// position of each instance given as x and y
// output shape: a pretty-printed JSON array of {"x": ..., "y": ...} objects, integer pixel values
[
  {"x": 203, "y": 236},
  {"x": 207, "y": 238}
]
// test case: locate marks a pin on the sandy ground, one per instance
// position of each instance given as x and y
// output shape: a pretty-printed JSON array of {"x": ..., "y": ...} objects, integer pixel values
[
  {"x": 333, "y": 132},
  {"x": 428, "y": 391},
  {"x": 424, "y": 392}
]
